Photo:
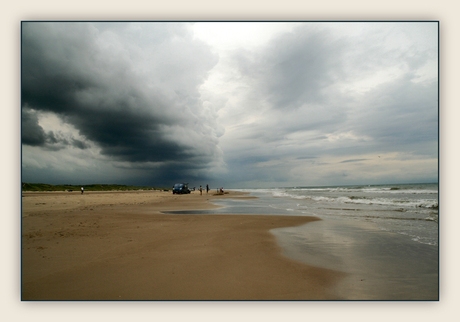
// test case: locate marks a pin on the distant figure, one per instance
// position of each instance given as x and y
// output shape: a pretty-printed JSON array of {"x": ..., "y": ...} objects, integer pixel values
[
  {"x": 82, "y": 190},
  {"x": 201, "y": 190},
  {"x": 222, "y": 190},
  {"x": 207, "y": 188}
]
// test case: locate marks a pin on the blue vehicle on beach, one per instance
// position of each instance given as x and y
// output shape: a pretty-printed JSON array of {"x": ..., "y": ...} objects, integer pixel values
[{"x": 181, "y": 188}]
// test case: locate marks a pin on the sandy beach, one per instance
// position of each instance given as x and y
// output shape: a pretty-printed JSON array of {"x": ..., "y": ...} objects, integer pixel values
[{"x": 120, "y": 246}]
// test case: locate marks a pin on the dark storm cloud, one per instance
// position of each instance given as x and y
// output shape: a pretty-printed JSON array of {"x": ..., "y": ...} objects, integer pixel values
[
  {"x": 132, "y": 89},
  {"x": 79, "y": 144},
  {"x": 32, "y": 133}
]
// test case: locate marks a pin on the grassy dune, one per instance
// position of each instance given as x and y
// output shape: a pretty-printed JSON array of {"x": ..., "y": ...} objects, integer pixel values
[{"x": 89, "y": 187}]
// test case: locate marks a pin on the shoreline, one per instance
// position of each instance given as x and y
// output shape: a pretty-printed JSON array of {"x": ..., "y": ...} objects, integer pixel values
[{"x": 120, "y": 246}]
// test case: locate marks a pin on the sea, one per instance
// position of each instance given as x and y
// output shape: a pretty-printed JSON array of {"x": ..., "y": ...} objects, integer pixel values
[{"x": 410, "y": 210}]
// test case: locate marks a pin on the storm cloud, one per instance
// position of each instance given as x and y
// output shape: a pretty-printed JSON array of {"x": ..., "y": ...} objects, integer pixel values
[
  {"x": 235, "y": 104},
  {"x": 130, "y": 89}
]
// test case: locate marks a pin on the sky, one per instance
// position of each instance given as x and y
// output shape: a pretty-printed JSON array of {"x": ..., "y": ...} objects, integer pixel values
[{"x": 229, "y": 104}]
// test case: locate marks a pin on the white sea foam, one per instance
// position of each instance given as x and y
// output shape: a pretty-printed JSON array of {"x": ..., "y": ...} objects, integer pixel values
[
  {"x": 389, "y": 189},
  {"x": 398, "y": 202},
  {"x": 410, "y": 210}
]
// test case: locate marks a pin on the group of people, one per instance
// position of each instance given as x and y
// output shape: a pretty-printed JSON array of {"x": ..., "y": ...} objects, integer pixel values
[
  {"x": 201, "y": 189},
  {"x": 221, "y": 190}
]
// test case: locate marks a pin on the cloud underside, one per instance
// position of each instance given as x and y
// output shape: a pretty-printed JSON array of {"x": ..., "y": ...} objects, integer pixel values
[
  {"x": 138, "y": 96},
  {"x": 310, "y": 101},
  {"x": 136, "y": 99}
]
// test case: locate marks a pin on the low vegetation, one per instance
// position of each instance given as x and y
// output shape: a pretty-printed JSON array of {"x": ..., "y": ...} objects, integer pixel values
[{"x": 89, "y": 187}]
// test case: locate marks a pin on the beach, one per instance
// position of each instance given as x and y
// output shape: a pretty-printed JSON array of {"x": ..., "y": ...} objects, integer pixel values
[{"x": 125, "y": 246}]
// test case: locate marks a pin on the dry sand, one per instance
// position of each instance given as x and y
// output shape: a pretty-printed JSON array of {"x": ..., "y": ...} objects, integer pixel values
[{"x": 119, "y": 246}]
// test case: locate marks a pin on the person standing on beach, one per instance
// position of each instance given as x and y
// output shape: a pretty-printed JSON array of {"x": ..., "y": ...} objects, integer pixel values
[
  {"x": 82, "y": 190},
  {"x": 201, "y": 190},
  {"x": 207, "y": 188}
]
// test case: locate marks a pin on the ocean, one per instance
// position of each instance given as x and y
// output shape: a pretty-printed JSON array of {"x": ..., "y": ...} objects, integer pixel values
[{"x": 406, "y": 209}]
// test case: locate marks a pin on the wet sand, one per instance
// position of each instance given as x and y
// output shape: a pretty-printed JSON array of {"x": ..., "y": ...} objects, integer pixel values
[
  {"x": 381, "y": 265},
  {"x": 120, "y": 246}
]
